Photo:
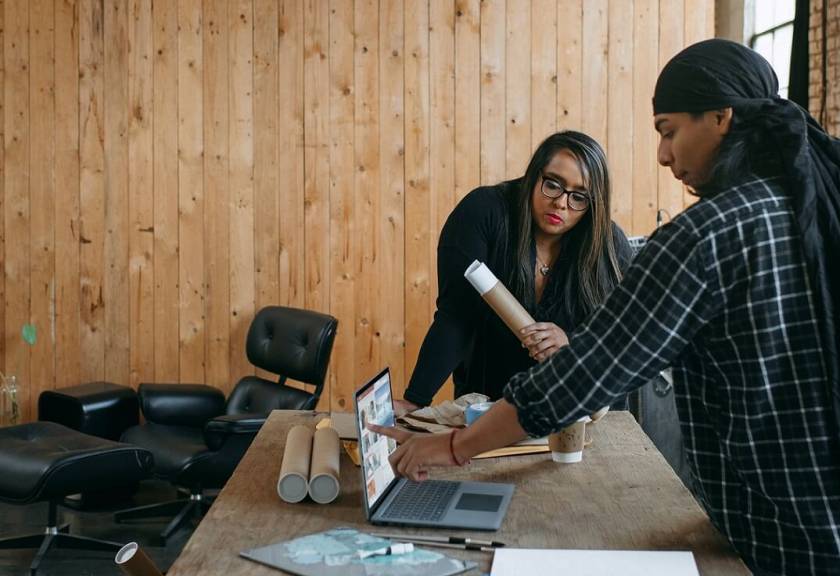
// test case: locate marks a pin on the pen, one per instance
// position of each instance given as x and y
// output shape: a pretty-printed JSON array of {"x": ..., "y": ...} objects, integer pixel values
[{"x": 443, "y": 539}]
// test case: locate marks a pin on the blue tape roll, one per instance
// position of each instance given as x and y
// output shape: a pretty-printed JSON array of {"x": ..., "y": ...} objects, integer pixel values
[{"x": 476, "y": 410}]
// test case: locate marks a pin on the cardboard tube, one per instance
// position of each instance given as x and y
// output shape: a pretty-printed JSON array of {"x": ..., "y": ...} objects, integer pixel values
[
  {"x": 324, "y": 482},
  {"x": 504, "y": 304},
  {"x": 294, "y": 472},
  {"x": 134, "y": 562},
  {"x": 498, "y": 297}
]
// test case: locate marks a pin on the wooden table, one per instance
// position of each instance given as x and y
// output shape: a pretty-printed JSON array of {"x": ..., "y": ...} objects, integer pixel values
[{"x": 622, "y": 496}]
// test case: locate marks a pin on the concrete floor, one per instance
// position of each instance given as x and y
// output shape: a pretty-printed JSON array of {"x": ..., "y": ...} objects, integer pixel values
[{"x": 95, "y": 522}]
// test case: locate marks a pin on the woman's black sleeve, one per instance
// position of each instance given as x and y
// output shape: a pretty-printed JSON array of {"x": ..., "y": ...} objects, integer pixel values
[
  {"x": 475, "y": 223},
  {"x": 448, "y": 339}
]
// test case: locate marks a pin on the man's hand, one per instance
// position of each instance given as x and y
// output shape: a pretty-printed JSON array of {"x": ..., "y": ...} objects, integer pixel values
[
  {"x": 543, "y": 340},
  {"x": 417, "y": 452},
  {"x": 402, "y": 407}
]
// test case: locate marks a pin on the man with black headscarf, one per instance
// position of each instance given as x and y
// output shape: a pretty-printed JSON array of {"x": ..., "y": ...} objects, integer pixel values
[{"x": 738, "y": 295}]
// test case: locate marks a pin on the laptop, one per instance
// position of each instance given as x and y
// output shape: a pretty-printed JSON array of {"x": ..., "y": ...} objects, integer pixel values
[{"x": 400, "y": 502}]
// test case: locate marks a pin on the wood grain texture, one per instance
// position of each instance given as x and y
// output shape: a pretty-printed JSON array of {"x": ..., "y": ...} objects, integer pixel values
[
  {"x": 517, "y": 90},
  {"x": 620, "y": 149},
  {"x": 316, "y": 42},
  {"x": 166, "y": 182},
  {"x": 623, "y": 496},
  {"x": 342, "y": 207},
  {"x": 3, "y": 129},
  {"x": 543, "y": 60},
  {"x": 169, "y": 168},
  {"x": 390, "y": 274},
  {"x": 141, "y": 206},
  {"x": 241, "y": 149},
  {"x": 493, "y": 127},
  {"x": 215, "y": 36},
  {"x": 418, "y": 217},
  {"x": 595, "y": 51},
  {"x": 266, "y": 154},
  {"x": 290, "y": 162},
  {"x": 42, "y": 189},
  {"x": 645, "y": 71},
  {"x": 92, "y": 189},
  {"x": 442, "y": 159},
  {"x": 191, "y": 203},
  {"x": 67, "y": 302},
  {"x": 467, "y": 96},
  {"x": 116, "y": 283},
  {"x": 569, "y": 64},
  {"x": 366, "y": 325}
]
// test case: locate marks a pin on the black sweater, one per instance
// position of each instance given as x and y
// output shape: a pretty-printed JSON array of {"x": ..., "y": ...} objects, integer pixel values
[{"x": 466, "y": 338}]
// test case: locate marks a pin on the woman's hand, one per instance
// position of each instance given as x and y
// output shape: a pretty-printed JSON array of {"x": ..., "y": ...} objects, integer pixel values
[
  {"x": 543, "y": 340},
  {"x": 417, "y": 452},
  {"x": 402, "y": 407}
]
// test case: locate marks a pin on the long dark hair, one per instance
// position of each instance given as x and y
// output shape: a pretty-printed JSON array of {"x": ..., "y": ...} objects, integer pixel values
[
  {"x": 744, "y": 154},
  {"x": 589, "y": 246}
]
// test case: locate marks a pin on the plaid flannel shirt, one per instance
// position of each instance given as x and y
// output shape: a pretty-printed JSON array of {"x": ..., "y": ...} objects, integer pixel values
[{"x": 722, "y": 295}]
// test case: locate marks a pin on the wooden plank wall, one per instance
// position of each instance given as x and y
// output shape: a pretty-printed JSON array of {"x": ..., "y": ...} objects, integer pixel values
[{"x": 168, "y": 168}]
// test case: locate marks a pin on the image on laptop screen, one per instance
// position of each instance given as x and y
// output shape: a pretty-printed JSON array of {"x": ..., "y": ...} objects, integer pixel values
[{"x": 374, "y": 405}]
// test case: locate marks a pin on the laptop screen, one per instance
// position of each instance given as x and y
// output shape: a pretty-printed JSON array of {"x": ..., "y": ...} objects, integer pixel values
[{"x": 373, "y": 404}]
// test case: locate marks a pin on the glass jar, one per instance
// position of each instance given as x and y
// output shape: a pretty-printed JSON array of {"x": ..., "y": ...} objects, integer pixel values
[
  {"x": 9, "y": 406},
  {"x": 14, "y": 407},
  {"x": 5, "y": 404}
]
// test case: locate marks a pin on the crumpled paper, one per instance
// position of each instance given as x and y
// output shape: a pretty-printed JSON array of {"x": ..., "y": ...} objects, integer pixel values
[{"x": 442, "y": 417}]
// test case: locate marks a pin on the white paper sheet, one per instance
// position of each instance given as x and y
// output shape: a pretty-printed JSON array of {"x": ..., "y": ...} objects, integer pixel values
[
  {"x": 516, "y": 561},
  {"x": 345, "y": 424}
]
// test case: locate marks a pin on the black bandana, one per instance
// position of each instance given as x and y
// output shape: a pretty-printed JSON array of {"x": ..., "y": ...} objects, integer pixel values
[{"x": 716, "y": 74}]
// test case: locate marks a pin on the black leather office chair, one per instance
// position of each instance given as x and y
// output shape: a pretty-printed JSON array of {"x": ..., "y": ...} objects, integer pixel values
[
  {"x": 198, "y": 438},
  {"x": 44, "y": 462}
]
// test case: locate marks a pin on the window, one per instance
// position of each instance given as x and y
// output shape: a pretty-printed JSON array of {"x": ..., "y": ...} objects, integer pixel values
[{"x": 773, "y": 36}]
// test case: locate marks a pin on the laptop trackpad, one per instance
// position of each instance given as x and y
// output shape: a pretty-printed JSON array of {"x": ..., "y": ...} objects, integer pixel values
[{"x": 478, "y": 502}]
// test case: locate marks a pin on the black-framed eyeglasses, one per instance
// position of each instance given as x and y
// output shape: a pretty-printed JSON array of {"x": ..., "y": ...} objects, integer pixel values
[{"x": 575, "y": 199}]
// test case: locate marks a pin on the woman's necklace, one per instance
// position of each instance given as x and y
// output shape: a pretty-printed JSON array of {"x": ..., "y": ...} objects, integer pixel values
[{"x": 543, "y": 268}]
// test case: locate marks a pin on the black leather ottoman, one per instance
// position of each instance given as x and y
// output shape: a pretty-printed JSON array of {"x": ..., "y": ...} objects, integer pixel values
[
  {"x": 101, "y": 409},
  {"x": 44, "y": 461}
]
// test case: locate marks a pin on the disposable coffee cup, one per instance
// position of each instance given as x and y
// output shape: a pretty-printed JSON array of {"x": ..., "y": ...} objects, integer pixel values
[{"x": 567, "y": 444}]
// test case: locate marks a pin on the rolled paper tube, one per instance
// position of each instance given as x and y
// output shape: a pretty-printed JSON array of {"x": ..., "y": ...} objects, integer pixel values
[
  {"x": 323, "y": 476},
  {"x": 294, "y": 472},
  {"x": 133, "y": 561},
  {"x": 499, "y": 298}
]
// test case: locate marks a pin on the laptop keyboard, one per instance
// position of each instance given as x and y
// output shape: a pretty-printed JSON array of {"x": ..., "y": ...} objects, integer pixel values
[{"x": 421, "y": 500}]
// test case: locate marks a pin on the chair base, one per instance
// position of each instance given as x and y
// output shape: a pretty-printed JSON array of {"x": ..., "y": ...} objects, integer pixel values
[
  {"x": 56, "y": 537},
  {"x": 184, "y": 509}
]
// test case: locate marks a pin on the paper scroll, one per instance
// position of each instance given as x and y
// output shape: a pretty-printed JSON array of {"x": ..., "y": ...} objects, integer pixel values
[
  {"x": 498, "y": 297},
  {"x": 504, "y": 304},
  {"x": 310, "y": 465},
  {"x": 293, "y": 484},
  {"x": 134, "y": 562},
  {"x": 323, "y": 478}
]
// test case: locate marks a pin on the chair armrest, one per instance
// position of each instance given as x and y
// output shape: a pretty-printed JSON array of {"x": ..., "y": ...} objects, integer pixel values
[
  {"x": 180, "y": 404},
  {"x": 219, "y": 429}
]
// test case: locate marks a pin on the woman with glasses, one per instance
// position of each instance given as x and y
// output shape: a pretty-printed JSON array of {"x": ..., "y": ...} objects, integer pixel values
[{"x": 548, "y": 236}]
